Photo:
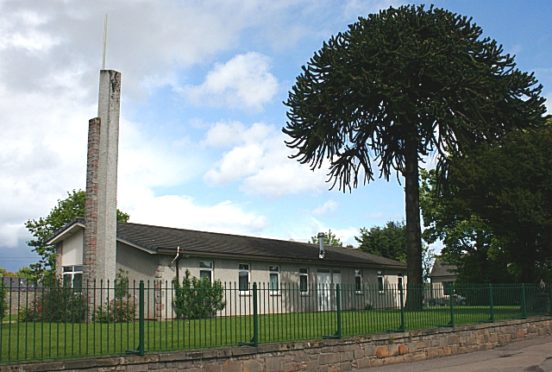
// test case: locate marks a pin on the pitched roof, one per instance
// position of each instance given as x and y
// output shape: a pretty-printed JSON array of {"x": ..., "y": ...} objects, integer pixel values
[
  {"x": 441, "y": 269},
  {"x": 165, "y": 240}
]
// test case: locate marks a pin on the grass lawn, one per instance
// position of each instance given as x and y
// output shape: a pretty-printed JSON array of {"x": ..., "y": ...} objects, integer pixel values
[{"x": 21, "y": 341}]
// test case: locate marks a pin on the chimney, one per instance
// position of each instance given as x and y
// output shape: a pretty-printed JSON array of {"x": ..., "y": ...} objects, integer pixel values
[
  {"x": 321, "y": 251},
  {"x": 101, "y": 185},
  {"x": 91, "y": 204}
]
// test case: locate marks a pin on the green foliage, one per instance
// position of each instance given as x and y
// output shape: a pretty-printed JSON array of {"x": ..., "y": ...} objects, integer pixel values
[
  {"x": 401, "y": 84},
  {"x": 55, "y": 304},
  {"x": 122, "y": 308},
  {"x": 197, "y": 298},
  {"x": 329, "y": 239},
  {"x": 495, "y": 214},
  {"x": 469, "y": 242},
  {"x": 388, "y": 241},
  {"x": 509, "y": 187},
  {"x": 3, "y": 303},
  {"x": 42, "y": 229}
]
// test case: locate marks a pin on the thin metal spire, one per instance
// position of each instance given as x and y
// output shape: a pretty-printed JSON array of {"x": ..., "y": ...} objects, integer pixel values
[{"x": 104, "y": 43}]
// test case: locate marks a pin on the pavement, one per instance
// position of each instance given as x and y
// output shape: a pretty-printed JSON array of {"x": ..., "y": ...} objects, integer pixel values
[{"x": 532, "y": 355}]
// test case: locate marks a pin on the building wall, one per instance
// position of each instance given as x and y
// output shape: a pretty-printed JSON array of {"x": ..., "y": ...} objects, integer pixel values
[
  {"x": 138, "y": 264},
  {"x": 72, "y": 249},
  {"x": 319, "y": 297}
]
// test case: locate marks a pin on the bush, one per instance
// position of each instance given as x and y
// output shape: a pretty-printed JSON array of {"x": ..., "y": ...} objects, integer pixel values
[
  {"x": 197, "y": 298},
  {"x": 55, "y": 304},
  {"x": 122, "y": 308},
  {"x": 3, "y": 304},
  {"x": 117, "y": 310}
]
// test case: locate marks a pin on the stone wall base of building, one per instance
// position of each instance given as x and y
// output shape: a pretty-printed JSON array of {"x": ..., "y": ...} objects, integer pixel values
[{"x": 322, "y": 355}]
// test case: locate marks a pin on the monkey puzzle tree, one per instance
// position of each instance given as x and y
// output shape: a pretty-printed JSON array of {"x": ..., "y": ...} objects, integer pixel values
[{"x": 397, "y": 86}]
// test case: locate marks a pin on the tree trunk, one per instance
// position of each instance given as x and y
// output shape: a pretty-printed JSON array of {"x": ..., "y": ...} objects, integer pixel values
[{"x": 413, "y": 230}]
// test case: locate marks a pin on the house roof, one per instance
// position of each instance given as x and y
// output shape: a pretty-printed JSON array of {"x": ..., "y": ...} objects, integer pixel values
[
  {"x": 441, "y": 269},
  {"x": 165, "y": 240}
]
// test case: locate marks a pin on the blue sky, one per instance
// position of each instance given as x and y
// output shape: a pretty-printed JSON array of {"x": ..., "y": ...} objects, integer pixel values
[{"x": 203, "y": 84}]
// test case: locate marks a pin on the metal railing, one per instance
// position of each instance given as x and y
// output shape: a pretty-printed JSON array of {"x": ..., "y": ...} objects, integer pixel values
[{"x": 55, "y": 322}]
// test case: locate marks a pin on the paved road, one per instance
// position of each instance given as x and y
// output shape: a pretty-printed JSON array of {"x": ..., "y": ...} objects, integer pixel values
[{"x": 532, "y": 355}]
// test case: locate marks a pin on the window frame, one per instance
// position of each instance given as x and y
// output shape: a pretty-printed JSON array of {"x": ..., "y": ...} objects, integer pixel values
[
  {"x": 72, "y": 271},
  {"x": 240, "y": 271},
  {"x": 207, "y": 268},
  {"x": 274, "y": 270},
  {"x": 381, "y": 282},
  {"x": 447, "y": 287},
  {"x": 304, "y": 273},
  {"x": 358, "y": 281}
]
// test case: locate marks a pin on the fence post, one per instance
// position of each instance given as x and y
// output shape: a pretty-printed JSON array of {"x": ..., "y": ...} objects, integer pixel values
[
  {"x": 401, "y": 295},
  {"x": 523, "y": 302},
  {"x": 550, "y": 299},
  {"x": 451, "y": 301},
  {"x": 491, "y": 304},
  {"x": 141, "y": 325},
  {"x": 255, "y": 340},
  {"x": 339, "y": 331}
]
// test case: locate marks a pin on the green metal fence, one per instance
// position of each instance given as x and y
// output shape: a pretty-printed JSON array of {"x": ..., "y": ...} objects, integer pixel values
[{"x": 57, "y": 322}]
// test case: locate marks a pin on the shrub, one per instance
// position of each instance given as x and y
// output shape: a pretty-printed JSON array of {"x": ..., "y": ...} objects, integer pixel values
[
  {"x": 197, "y": 298},
  {"x": 122, "y": 308},
  {"x": 56, "y": 304},
  {"x": 3, "y": 304}
]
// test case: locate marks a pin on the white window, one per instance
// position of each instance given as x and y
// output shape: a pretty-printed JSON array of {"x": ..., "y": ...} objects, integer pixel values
[
  {"x": 304, "y": 281},
  {"x": 358, "y": 281},
  {"x": 72, "y": 277},
  {"x": 206, "y": 270},
  {"x": 381, "y": 286},
  {"x": 274, "y": 280},
  {"x": 243, "y": 280}
]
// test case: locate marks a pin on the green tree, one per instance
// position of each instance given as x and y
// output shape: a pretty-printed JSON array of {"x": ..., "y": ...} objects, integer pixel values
[
  {"x": 388, "y": 241},
  {"x": 329, "y": 239},
  {"x": 469, "y": 242},
  {"x": 509, "y": 188},
  {"x": 42, "y": 229},
  {"x": 397, "y": 86}
]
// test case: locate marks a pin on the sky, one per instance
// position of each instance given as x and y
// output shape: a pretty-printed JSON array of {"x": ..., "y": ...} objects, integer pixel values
[{"x": 203, "y": 82}]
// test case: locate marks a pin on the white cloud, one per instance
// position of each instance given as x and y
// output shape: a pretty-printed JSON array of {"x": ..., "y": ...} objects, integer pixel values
[
  {"x": 228, "y": 134},
  {"x": 243, "y": 82},
  {"x": 328, "y": 206},
  {"x": 260, "y": 160},
  {"x": 184, "y": 212}
]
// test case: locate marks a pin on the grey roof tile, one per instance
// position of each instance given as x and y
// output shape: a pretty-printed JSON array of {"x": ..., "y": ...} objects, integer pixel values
[{"x": 166, "y": 239}]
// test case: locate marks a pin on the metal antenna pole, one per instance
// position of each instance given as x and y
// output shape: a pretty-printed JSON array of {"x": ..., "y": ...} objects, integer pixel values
[{"x": 104, "y": 43}]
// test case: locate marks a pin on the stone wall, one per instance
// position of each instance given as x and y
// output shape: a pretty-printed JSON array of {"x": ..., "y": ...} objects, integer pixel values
[{"x": 322, "y": 355}]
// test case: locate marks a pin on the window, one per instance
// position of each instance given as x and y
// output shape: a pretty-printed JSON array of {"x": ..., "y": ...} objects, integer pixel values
[
  {"x": 243, "y": 283},
  {"x": 206, "y": 270},
  {"x": 358, "y": 281},
  {"x": 274, "y": 280},
  {"x": 400, "y": 284},
  {"x": 381, "y": 286},
  {"x": 304, "y": 281},
  {"x": 72, "y": 277},
  {"x": 447, "y": 288}
]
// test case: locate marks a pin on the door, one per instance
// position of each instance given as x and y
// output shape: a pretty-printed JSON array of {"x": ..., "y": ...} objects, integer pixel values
[
  {"x": 336, "y": 279},
  {"x": 323, "y": 282}
]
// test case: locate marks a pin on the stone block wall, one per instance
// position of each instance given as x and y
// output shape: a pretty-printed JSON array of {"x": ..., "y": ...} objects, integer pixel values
[{"x": 321, "y": 355}]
